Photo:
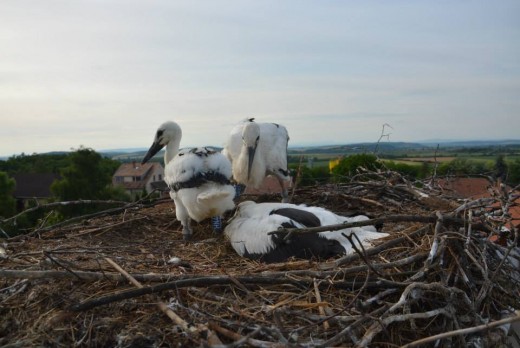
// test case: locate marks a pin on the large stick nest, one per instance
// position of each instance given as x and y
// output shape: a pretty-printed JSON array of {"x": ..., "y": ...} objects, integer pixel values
[{"x": 438, "y": 273}]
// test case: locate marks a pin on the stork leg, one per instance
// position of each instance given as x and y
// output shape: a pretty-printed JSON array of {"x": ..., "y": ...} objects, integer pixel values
[
  {"x": 186, "y": 230},
  {"x": 285, "y": 194},
  {"x": 239, "y": 189},
  {"x": 216, "y": 223},
  {"x": 183, "y": 217}
]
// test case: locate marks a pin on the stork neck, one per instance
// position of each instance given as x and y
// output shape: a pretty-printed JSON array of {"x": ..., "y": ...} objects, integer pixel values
[{"x": 172, "y": 149}]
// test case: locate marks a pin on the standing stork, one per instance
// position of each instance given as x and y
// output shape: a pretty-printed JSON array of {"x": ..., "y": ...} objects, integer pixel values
[
  {"x": 248, "y": 232},
  {"x": 198, "y": 178},
  {"x": 257, "y": 150}
]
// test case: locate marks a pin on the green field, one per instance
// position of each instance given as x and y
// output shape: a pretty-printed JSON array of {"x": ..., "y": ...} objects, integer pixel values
[{"x": 320, "y": 159}]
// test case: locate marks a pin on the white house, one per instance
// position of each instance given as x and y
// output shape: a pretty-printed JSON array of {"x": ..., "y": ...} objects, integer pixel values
[{"x": 136, "y": 177}]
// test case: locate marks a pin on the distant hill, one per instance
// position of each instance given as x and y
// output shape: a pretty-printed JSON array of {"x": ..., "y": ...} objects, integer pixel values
[
  {"x": 357, "y": 147},
  {"x": 472, "y": 143},
  {"x": 137, "y": 153}
]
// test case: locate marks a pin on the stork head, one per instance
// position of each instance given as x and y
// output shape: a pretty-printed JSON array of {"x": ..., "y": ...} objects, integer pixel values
[
  {"x": 168, "y": 131},
  {"x": 250, "y": 138}
]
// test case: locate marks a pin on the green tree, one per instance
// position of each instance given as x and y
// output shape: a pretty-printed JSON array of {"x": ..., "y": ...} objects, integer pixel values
[
  {"x": 88, "y": 177},
  {"x": 350, "y": 165},
  {"x": 513, "y": 176},
  {"x": 410, "y": 171},
  {"x": 7, "y": 201},
  {"x": 35, "y": 163},
  {"x": 313, "y": 176},
  {"x": 463, "y": 166}
]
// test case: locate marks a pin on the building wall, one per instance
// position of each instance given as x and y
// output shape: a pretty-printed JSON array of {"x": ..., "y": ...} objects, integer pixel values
[{"x": 156, "y": 175}]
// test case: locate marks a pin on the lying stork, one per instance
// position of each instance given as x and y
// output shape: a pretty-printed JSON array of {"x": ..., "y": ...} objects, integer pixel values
[
  {"x": 248, "y": 232},
  {"x": 257, "y": 150},
  {"x": 198, "y": 178}
]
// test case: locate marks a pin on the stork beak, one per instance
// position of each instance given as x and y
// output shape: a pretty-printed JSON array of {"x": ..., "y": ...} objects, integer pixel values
[
  {"x": 156, "y": 147},
  {"x": 251, "y": 155}
]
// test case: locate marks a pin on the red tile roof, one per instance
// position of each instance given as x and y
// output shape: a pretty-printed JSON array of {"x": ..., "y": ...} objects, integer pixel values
[
  {"x": 475, "y": 188},
  {"x": 134, "y": 169},
  {"x": 466, "y": 187}
]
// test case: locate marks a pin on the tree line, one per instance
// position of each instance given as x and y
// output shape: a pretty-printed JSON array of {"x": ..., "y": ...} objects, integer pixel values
[
  {"x": 84, "y": 175},
  {"x": 507, "y": 171}
]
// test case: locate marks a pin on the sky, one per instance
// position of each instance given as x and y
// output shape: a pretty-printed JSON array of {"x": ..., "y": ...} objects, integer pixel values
[{"x": 104, "y": 74}]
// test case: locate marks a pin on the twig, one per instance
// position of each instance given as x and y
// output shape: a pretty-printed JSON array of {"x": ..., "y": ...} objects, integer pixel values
[
  {"x": 506, "y": 255},
  {"x": 243, "y": 339},
  {"x": 361, "y": 253},
  {"x": 372, "y": 251},
  {"x": 155, "y": 277},
  {"x": 348, "y": 330},
  {"x": 435, "y": 166},
  {"x": 94, "y": 230},
  {"x": 435, "y": 244},
  {"x": 391, "y": 218},
  {"x": 379, "y": 326},
  {"x": 363, "y": 200},
  {"x": 53, "y": 260},
  {"x": 321, "y": 310},
  {"x": 137, "y": 204},
  {"x": 200, "y": 281},
  {"x": 481, "y": 202},
  {"x": 221, "y": 280},
  {"x": 5, "y": 233},
  {"x": 58, "y": 204},
  {"x": 383, "y": 135},
  {"x": 465, "y": 331},
  {"x": 191, "y": 330},
  {"x": 84, "y": 276}
]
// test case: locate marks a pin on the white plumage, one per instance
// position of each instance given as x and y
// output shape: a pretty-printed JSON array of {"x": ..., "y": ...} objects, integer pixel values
[
  {"x": 198, "y": 178},
  {"x": 248, "y": 232},
  {"x": 257, "y": 150}
]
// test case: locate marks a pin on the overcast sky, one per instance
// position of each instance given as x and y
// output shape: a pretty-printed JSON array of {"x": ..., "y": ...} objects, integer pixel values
[{"x": 105, "y": 74}]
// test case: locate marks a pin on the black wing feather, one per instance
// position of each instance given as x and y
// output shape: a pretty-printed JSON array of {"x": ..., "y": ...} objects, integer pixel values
[{"x": 303, "y": 217}]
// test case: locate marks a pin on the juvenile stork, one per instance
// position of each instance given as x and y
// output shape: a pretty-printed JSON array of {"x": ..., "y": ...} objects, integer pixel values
[
  {"x": 248, "y": 232},
  {"x": 257, "y": 150},
  {"x": 198, "y": 178}
]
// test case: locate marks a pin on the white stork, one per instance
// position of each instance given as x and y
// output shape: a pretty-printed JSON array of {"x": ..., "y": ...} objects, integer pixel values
[
  {"x": 198, "y": 178},
  {"x": 257, "y": 150},
  {"x": 248, "y": 232}
]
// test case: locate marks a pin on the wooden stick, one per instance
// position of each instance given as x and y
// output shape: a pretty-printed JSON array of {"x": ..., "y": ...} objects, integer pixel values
[
  {"x": 391, "y": 218},
  {"x": 191, "y": 330},
  {"x": 321, "y": 310},
  {"x": 155, "y": 277},
  {"x": 106, "y": 227},
  {"x": 223, "y": 280},
  {"x": 85, "y": 276},
  {"x": 243, "y": 339},
  {"x": 465, "y": 331},
  {"x": 372, "y": 251}
]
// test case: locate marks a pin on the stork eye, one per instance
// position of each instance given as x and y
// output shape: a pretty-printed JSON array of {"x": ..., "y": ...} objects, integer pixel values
[{"x": 160, "y": 133}]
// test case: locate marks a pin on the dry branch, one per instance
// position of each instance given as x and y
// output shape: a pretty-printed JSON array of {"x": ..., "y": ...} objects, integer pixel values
[
  {"x": 392, "y": 218},
  {"x": 466, "y": 331},
  {"x": 192, "y": 330}
]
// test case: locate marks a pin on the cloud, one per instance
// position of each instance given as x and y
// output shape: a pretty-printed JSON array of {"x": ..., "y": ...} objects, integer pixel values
[{"x": 106, "y": 73}]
